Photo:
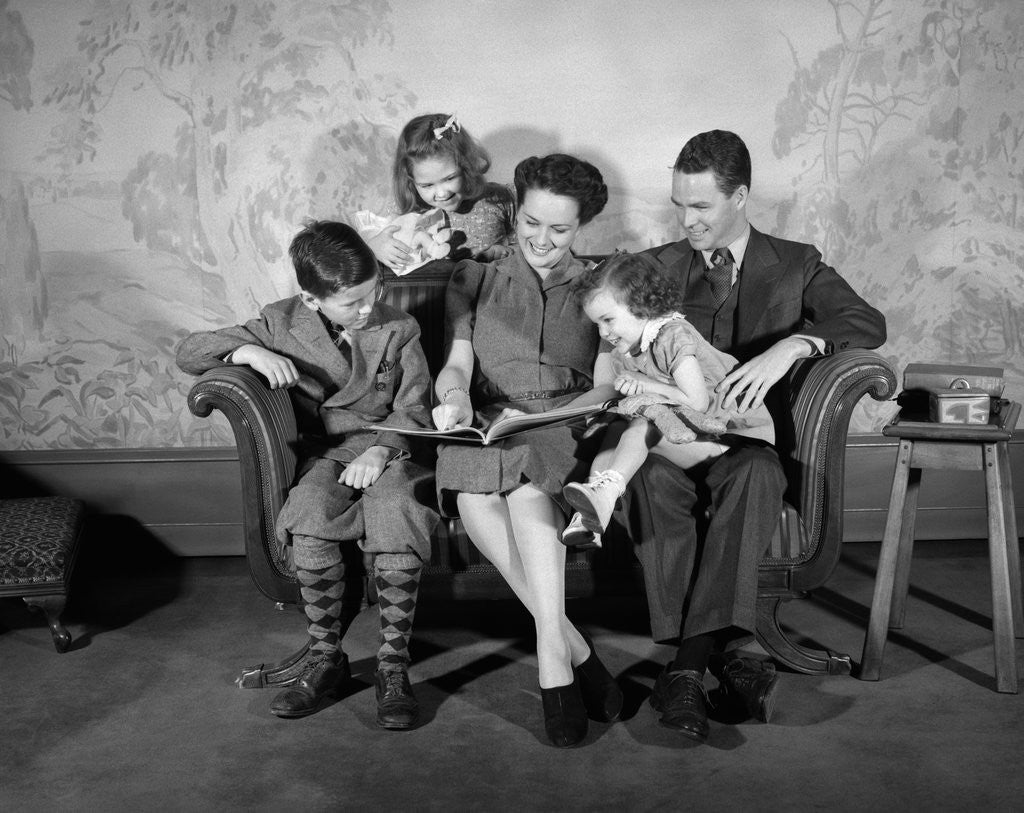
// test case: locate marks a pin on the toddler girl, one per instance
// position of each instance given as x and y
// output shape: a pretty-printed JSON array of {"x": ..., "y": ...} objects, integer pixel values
[
  {"x": 659, "y": 358},
  {"x": 438, "y": 165}
]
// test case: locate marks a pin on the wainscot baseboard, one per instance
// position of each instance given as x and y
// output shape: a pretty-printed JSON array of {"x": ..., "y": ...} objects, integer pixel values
[{"x": 190, "y": 499}]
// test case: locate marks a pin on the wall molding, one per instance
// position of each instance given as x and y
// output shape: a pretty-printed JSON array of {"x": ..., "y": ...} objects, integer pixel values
[{"x": 190, "y": 499}]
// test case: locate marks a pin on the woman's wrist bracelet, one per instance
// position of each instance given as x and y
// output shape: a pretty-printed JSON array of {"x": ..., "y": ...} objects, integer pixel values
[{"x": 450, "y": 390}]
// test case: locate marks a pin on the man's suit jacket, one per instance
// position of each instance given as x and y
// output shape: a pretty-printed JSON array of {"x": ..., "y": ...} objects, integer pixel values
[
  {"x": 387, "y": 382},
  {"x": 784, "y": 288}
]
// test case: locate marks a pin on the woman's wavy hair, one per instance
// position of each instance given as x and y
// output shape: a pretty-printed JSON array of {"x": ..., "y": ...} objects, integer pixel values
[
  {"x": 646, "y": 288},
  {"x": 418, "y": 141},
  {"x": 567, "y": 176},
  {"x": 329, "y": 256}
]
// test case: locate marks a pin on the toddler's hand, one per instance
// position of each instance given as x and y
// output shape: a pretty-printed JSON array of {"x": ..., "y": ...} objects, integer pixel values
[
  {"x": 365, "y": 469},
  {"x": 279, "y": 370},
  {"x": 389, "y": 249},
  {"x": 627, "y": 385}
]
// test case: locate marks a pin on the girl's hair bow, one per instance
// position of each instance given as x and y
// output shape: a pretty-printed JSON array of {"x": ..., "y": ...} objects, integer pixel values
[{"x": 452, "y": 124}]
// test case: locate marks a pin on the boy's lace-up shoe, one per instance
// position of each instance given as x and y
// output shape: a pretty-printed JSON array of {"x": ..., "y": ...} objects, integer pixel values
[
  {"x": 595, "y": 499},
  {"x": 577, "y": 535},
  {"x": 396, "y": 704},
  {"x": 321, "y": 674},
  {"x": 750, "y": 683},
  {"x": 681, "y": 698}
]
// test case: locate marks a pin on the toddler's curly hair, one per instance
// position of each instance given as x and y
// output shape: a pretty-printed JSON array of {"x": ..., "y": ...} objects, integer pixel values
[{"x": 633, "y": 280}]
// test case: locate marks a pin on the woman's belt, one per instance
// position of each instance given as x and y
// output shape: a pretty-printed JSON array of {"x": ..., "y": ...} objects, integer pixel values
[{"x": 493, "y": 397}]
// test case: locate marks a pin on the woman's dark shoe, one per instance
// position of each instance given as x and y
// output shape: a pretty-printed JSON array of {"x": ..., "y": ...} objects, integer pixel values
[
  {"x": 602, "y": 696},
  {"x": 321, "y": 673},
  {"x": 565, "y": 717}
]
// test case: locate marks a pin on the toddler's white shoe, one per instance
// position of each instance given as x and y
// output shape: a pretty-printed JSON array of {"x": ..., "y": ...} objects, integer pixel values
[
  {"x": 596, "y": 498},
  {"x": 576, "y": 535}
]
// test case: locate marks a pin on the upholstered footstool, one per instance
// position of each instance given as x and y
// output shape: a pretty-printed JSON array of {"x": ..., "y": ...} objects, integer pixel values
[{"x": 38, "y": 545}]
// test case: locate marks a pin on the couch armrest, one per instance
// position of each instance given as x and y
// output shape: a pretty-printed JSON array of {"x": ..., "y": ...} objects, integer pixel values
[
  {"x": 824, "y": 392},
  {"x": 263, "y": 422}
]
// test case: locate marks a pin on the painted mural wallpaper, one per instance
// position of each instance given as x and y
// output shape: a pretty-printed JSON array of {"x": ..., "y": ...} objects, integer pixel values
[{"x": 157, "y": 156}]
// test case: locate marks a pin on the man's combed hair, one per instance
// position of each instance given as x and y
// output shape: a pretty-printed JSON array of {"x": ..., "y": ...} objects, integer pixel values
[
  {"x": 633, "y": 280},
  {"x": 328, "y": 256},
  {"x": 722, "y": 152},
  {"x": 417, "y": 142},
  {"x": 567, "y": 176}
]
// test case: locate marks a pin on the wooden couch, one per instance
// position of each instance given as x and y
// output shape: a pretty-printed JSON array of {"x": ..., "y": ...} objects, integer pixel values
[{"x": 802, "y": 555}]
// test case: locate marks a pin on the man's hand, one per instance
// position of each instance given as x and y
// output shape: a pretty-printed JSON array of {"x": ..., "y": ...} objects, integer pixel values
[
  {"x": 389, "y": 249},
  {"x": 279, "y": 370},
  {"x": 365, "y": 469},
  {"x": 747, "y": 385}
]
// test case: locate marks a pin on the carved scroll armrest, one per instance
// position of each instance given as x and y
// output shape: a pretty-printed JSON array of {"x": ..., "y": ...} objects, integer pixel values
[
  {"x": 824, "y": 393},
  {"x": 263, "y": 422}
]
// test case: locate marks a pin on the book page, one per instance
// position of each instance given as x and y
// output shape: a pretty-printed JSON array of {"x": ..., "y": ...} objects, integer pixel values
[{"x": 501, "y": 429}]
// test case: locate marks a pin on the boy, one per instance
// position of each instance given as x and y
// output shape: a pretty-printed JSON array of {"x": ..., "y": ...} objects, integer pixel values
[{"x": 351, "y": 361}]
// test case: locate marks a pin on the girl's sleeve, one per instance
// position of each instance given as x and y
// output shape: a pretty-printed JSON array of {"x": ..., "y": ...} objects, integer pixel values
[{"x": 674, "y": 342}]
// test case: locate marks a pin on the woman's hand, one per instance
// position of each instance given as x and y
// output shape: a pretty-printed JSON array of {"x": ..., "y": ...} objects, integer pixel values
[
  {"x": 457, "y": 411},
  {"x": 389, "y": 249},
  {"x": 279, "y": 370},
  {"x": 365, "y": 470},
  {"x": 507, "y": 412}
]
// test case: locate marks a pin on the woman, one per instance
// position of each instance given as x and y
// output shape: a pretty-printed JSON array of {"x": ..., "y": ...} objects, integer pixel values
[{"x": 518, "y": 341}]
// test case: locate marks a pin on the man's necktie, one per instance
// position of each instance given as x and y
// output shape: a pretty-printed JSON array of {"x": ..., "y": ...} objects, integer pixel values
[{"x": 719, "y": 275}]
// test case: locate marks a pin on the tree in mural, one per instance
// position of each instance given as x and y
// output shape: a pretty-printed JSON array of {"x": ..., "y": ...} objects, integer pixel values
[
  {"x": 252, "y": 83},
  {"x": 272, "y": 121},
  {"x": 896, "y": 120}
]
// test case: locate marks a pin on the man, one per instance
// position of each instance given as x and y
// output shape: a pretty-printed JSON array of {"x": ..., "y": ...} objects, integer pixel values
[{"x": 768, "y": 302}]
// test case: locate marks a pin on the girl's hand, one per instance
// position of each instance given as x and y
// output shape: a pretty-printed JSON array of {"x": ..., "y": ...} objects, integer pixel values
[
  {"x": 494, "y": 253},
  {"x": 628, "y": 385},
  {"x": 389, "y": 249},
  {"x": 279, "y": 370},
  {"x": 365, "y": 470}
]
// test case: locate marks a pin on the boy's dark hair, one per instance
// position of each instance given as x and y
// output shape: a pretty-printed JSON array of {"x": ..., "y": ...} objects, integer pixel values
[
  {"x": 329, "y": 256},
  {"x": 722, "y": 152},
  {"x": 418, "y": 141},
  {"x": 646, "y": 288},
  {"x": 567, "y": 176}
]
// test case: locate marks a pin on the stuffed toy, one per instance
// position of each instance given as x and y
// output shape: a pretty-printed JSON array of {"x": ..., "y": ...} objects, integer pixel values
[{"x": 677, "y": 423}]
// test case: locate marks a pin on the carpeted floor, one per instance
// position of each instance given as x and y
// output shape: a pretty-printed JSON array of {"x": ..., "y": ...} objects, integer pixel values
[{"x": 143, "y": 714}]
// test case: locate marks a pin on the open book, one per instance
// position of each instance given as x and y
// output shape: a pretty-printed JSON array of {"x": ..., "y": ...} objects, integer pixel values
[{"x": 504, "y": 428}]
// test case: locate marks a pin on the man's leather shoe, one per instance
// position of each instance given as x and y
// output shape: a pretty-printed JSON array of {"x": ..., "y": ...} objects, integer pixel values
[
  {"x": 322, "y": 672},
  {"x": 683, "y": 702},
  {"x": 749, "y": 682},
  {"x": 396, "y": 704}
]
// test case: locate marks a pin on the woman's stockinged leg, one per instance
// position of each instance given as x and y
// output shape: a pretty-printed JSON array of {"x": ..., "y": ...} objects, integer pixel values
[
  {"x": 536, "y": 524},
  {"x": 487, "y": 520}
]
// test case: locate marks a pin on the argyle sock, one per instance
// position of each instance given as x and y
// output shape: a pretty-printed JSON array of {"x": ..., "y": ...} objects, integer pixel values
[
  {"x": 322, "y": 590},
  {"x": 397, "y": 577}
]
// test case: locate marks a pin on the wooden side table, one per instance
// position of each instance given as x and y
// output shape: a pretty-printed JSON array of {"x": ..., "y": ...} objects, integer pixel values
[{"x": 925, "y": 445}]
